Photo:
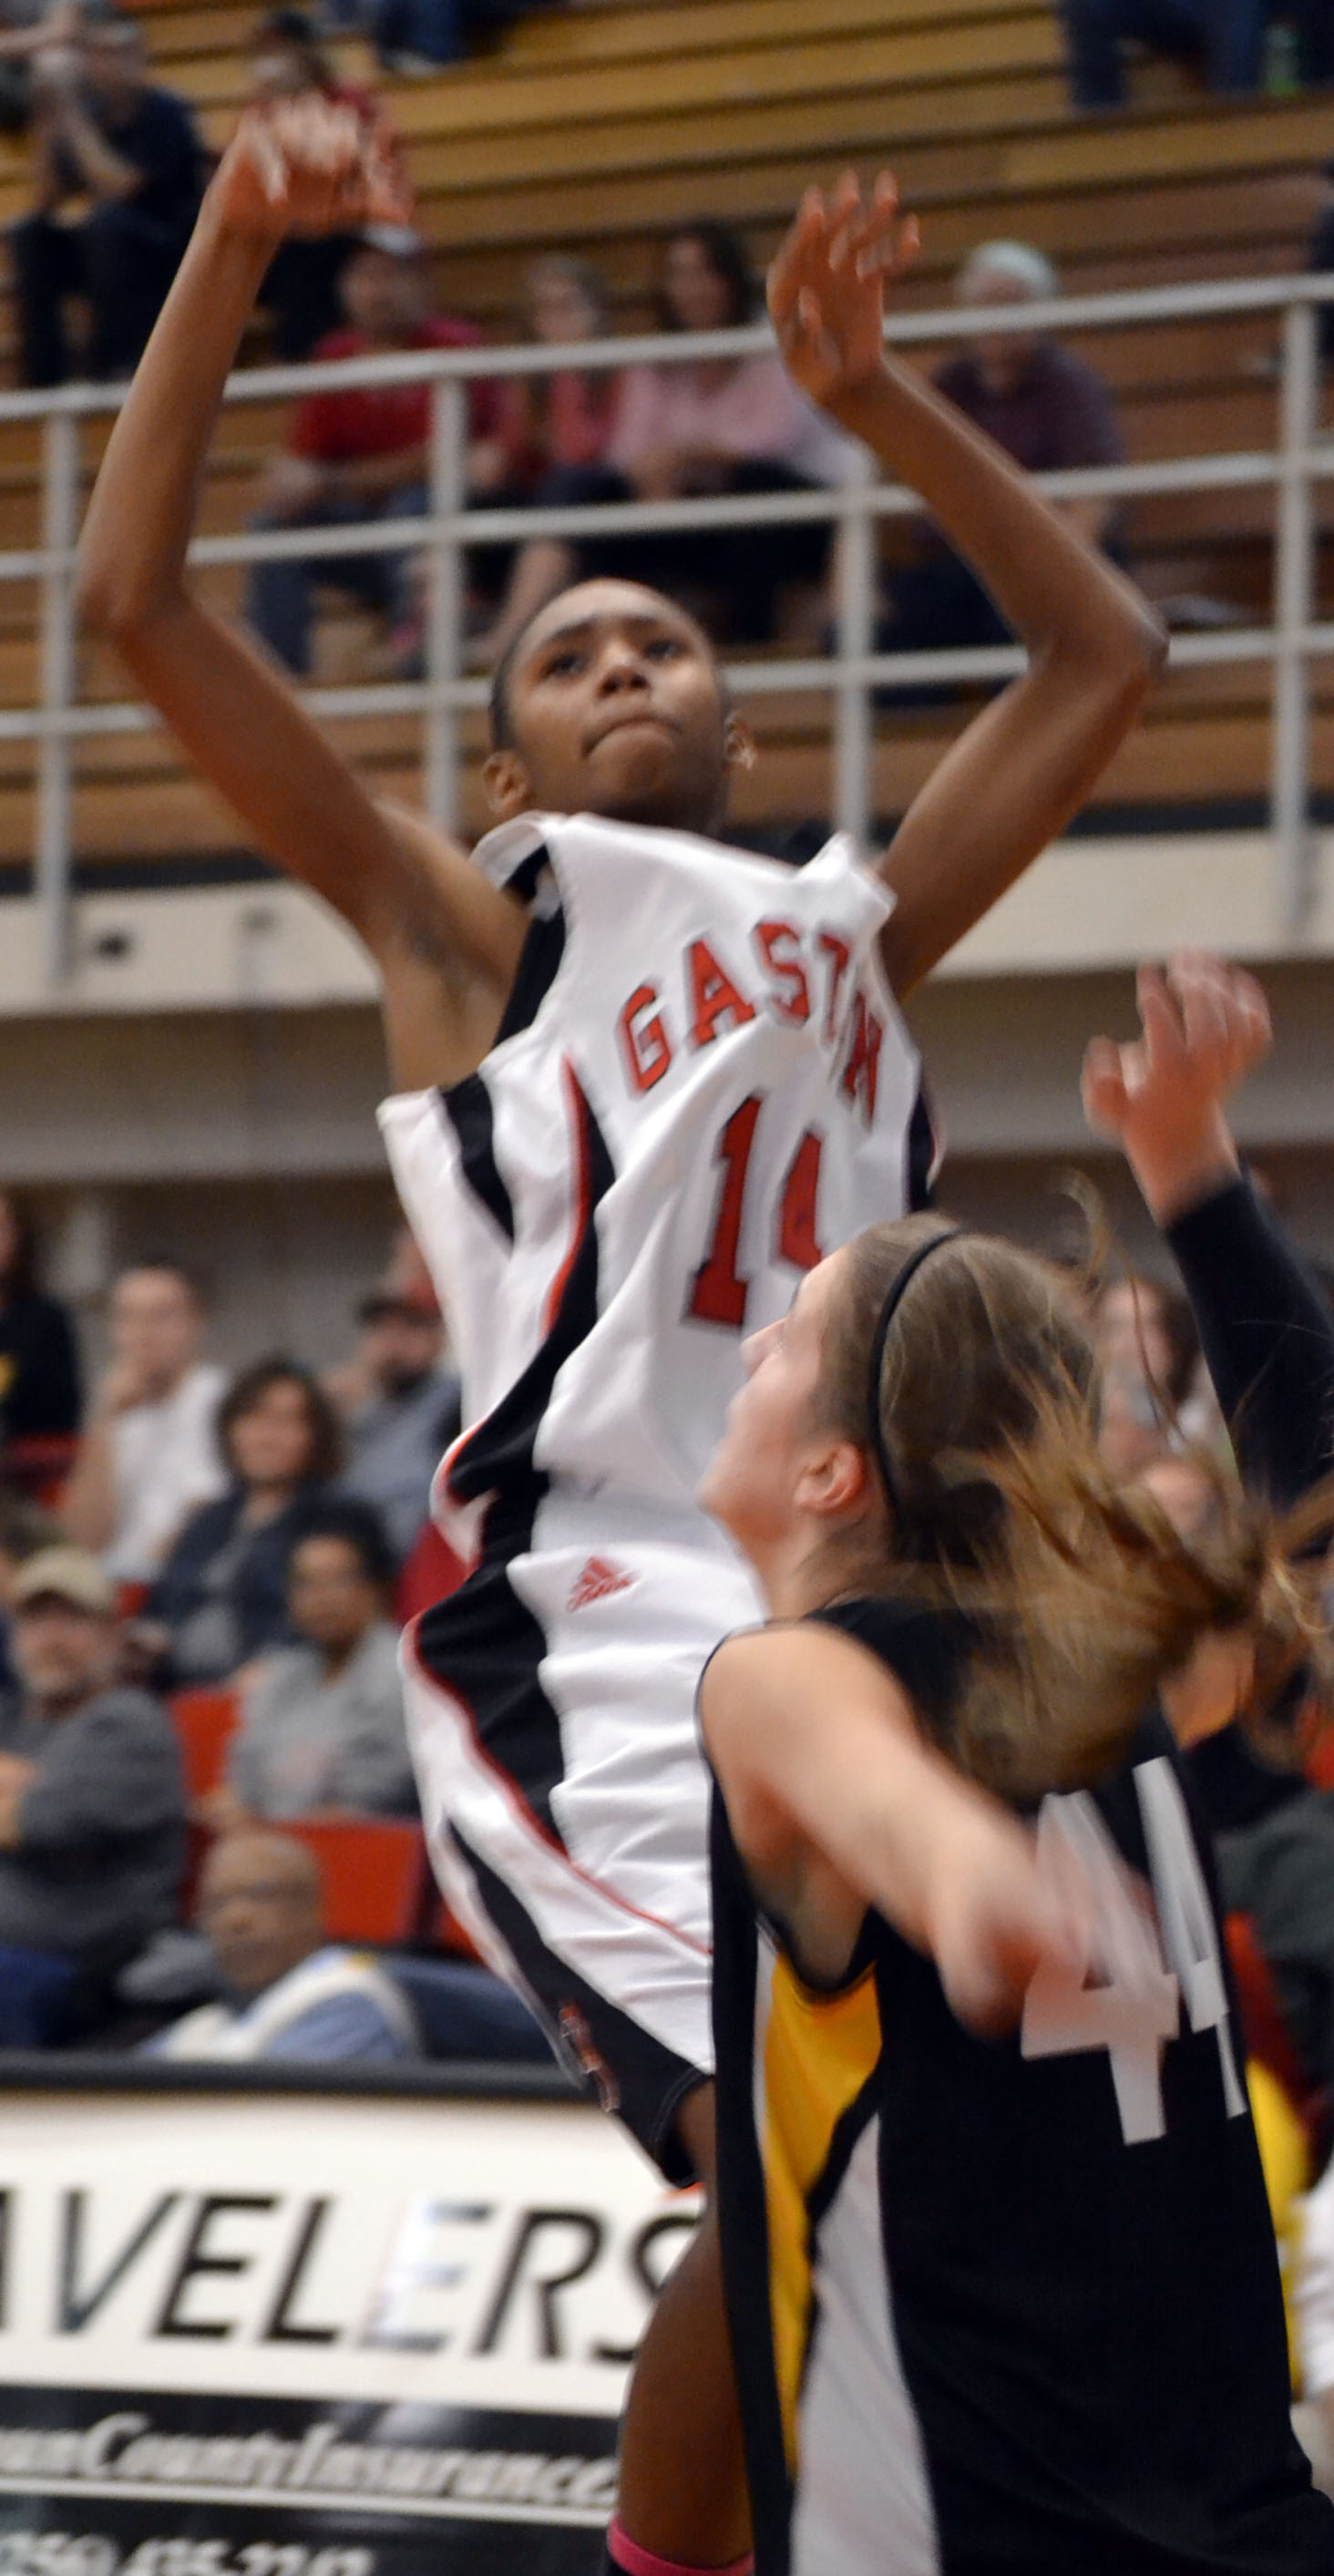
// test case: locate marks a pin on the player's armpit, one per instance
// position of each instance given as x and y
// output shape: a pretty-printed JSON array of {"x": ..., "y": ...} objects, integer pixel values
[
  {"x": 809, "y": 1733},
  {"x": 820, "y": 1760}
]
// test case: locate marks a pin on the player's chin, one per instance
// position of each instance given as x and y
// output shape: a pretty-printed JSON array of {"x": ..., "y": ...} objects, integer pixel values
[
  {"x": 719, "y": 1489},
  {"x": 638, "y": 775}
]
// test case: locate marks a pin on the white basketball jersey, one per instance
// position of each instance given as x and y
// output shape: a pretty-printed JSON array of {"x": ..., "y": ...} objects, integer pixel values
[{"x": 701, "y": 1085}]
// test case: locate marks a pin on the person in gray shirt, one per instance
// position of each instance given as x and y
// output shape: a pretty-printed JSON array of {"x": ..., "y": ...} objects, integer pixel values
[
  {"x": 92, "y": 1804},
  {"x": 323, "y": 1722},
  {"x": 399, "y": 1431}
]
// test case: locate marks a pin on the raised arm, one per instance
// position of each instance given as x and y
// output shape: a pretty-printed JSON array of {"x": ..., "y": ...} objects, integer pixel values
[
  {"x": 1027, "y": 763},
  {"x": 836, "y": 1802},
  {"x": 1265, "y": 1324},
  {"x": 445, "y": 942}
]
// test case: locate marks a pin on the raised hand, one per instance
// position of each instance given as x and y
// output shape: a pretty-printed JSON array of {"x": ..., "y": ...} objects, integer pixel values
[
  {"x": 1203, "y": 1026},
  {"x": 308, "y": 166},
  {"x": 827, "y": 286}
]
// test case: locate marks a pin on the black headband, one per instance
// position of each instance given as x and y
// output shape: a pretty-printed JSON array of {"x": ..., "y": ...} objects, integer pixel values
[{"x": 888, "y": 1312}]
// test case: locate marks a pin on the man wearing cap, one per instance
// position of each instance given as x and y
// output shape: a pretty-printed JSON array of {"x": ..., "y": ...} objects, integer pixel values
[
  {"x": 361, "y": 453},
  {"x": 92, "y": 1805},
  {"x": 397, "y": 1436}
]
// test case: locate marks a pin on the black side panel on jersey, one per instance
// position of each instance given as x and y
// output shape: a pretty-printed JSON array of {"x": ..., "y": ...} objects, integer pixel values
[
  {"x": 602, "y": 2049},
  {"x": 467, "y": 1106},
  {"x": 921, "y": 1153},
  {"x": 539, "y": 962},
  {"x": 482, "y": 1641}
]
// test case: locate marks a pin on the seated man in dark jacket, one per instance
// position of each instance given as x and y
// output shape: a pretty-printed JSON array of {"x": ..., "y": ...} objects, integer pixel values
[
  {"x": 1047, "y": 408},
  {"x": 92, "y": 1804},
  {"x": 117, "y": 189}
]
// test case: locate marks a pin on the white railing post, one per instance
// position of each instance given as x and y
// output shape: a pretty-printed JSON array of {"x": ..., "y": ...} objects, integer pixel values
[
  {"x": 55, "y": 755},
  {"x": 1293, "y": 584},
  {"x": 444, "y": 611},
  {"x": 854, "y": 582}
]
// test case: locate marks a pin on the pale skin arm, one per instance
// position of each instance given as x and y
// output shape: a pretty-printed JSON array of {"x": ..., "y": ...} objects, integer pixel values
[
  {"x": 445, "y": 941},
  {"x": 836, "y": 1802},
  {"x": 1010, "y": 784}
]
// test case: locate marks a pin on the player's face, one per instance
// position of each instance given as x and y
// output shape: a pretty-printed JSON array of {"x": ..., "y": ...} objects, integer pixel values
[
  {"x": 616, "y": 708},
  {"x": 768, "y": 1468}
]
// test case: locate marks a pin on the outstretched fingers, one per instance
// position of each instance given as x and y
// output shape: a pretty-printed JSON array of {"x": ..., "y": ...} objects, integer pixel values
[{"x": 1103, "y": 1086}]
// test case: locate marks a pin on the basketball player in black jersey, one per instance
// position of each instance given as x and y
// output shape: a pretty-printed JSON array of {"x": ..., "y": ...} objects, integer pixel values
[
  {"x": 1011, "y": 2303},
  {"x": 447, "y": 944}
]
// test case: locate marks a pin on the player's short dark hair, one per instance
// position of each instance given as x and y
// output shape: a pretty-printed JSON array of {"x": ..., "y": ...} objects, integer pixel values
[
  {"x": 500, "y": 715},
  {"x": 500, "y": 712},
  {"x": 355, "y": 1525}
]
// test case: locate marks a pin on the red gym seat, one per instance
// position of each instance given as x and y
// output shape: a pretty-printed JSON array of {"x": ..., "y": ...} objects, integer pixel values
[
  {"x": 377, "y": 1881},
  {"x": 205, "y": 1722}
]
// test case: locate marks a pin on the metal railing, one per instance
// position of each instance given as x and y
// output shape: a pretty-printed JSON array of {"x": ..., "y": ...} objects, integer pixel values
[{"x": 850, "y": 674}]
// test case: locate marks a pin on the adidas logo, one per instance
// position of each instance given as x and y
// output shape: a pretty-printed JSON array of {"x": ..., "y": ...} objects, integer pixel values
[{"x": 597, "y": 1582}]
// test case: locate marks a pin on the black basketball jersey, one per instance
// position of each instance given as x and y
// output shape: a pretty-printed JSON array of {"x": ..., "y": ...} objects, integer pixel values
[{"x": 1005, "y": 2306}]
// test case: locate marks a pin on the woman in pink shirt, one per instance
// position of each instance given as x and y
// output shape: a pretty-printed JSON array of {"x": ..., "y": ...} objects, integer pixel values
[
  {"x": 565, "y": 419},
  {"x": 720, "y": 425}
]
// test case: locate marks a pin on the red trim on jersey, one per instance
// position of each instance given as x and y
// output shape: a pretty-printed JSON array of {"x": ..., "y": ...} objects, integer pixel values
[
  {"x": 526, "y": 1816},
  {"x": 583, "y": 1191}
]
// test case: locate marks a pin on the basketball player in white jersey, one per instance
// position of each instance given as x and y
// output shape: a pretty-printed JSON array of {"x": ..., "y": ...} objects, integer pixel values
[{"x": 644, "y": 1080}]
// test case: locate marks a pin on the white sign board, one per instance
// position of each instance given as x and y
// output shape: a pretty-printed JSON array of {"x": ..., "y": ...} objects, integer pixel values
[{"x": 270, "y": 2335}]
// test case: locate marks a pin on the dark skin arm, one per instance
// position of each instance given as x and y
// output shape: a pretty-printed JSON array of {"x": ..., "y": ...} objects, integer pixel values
[
  {"x": 1025, "y": 766},
  {"x": 446, "y": 943}
]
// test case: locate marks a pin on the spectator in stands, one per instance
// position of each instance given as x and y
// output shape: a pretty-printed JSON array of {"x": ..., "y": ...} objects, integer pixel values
[
  {"x": 1227, "y": 36},
  {"x": 1045, "y": 407},
  {"x": 399, "y": 1431},
  {"x": 288, "y": 1993},
  {"x": 300, "y": 291},
  {"x": 106, "y": 138},
  {"x": 221, "y": 1597},
  {"x": 720, "y": 425},
  {"x": 549, "y": 426},
  {"x": 322, "y": 1731},
  {"x": 92, "y": 1804},
  {"x": 24, "y": 1528},
  {"x": 40, "y": 1399},
  {"x": 28, "y": 28},
  {"x": 149, "y": 1454},
  {"x": 362, "y": 454},
  {"x": 1147, "y": 1352}
]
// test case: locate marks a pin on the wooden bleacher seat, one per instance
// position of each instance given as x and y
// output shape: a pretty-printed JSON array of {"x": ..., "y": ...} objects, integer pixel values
[{"x": 600, "y": 126}]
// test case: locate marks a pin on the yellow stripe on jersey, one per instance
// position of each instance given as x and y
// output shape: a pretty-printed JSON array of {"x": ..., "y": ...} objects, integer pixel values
[
  {"x": 1285, "y": 2157},
  {"x": 817, "y": 2053}
]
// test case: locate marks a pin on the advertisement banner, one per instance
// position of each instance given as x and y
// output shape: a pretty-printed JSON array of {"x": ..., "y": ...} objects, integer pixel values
[{"x": 317, "y": 2335}]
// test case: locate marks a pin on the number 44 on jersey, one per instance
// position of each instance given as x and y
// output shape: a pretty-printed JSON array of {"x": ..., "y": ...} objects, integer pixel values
[{"x": 1130, "y": 2002}]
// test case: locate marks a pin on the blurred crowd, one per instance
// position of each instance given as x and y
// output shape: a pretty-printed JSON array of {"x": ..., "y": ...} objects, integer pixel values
[
  {"x": 182, "y": 1551},
  {"x": 203, "y": 1579},
  {"x": 117, "y": 174}
]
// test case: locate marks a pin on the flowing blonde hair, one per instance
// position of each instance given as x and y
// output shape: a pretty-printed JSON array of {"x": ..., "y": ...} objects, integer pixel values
[{"x": 1085, "y": 1596}]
